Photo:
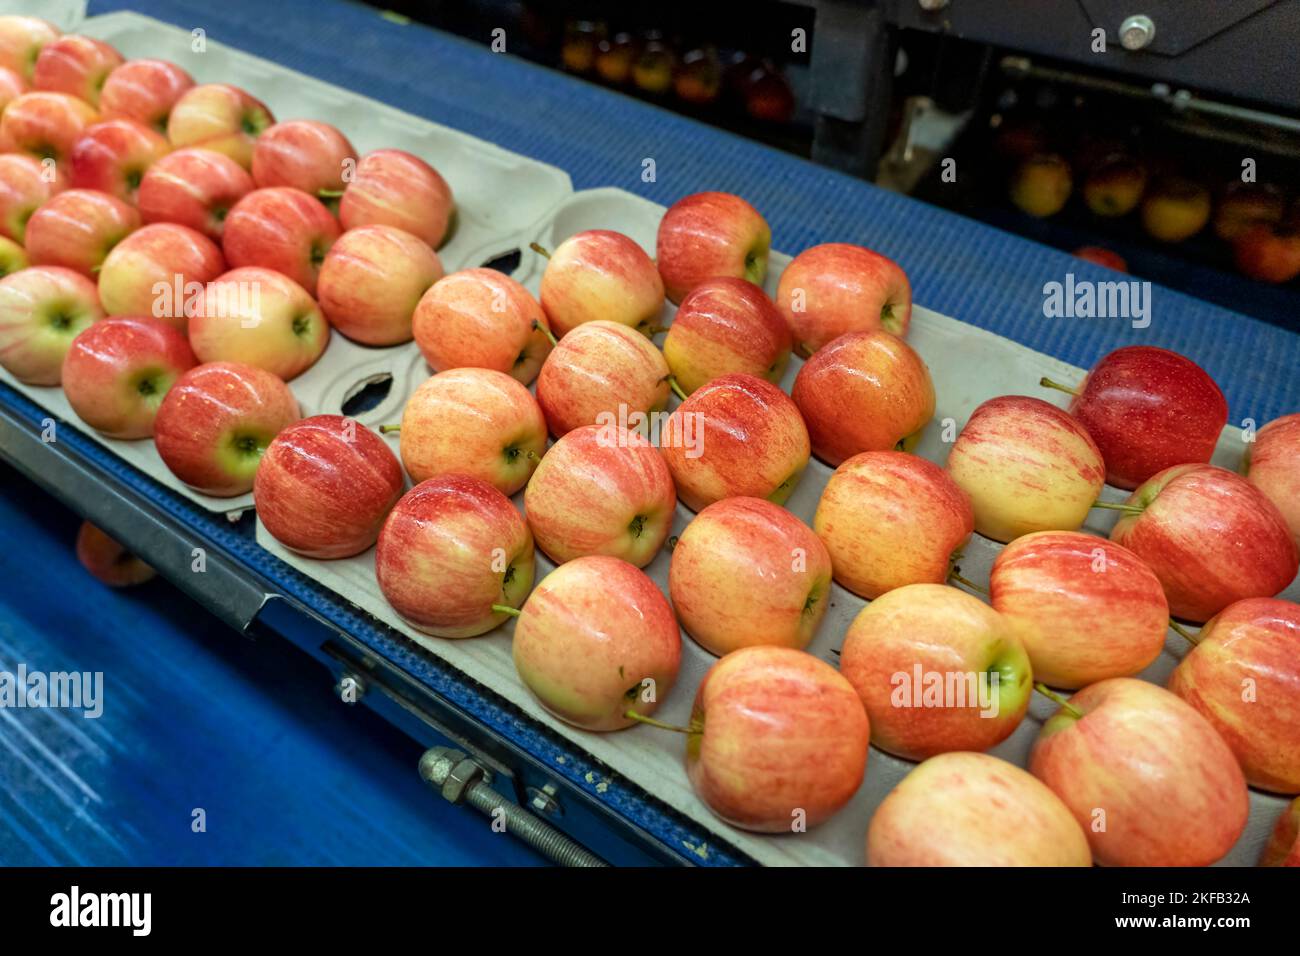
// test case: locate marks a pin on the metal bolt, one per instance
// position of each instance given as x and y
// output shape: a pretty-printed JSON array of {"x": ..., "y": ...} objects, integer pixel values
[
  {"x": 932, "y": 5},
  {"x": 544, "y": 800},
  {"x": 351, "y": 688},
  {"x": 1136, "y": 32}
]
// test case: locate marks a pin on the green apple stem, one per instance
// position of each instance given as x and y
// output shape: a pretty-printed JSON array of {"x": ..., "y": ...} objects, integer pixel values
[
  {"x": 677, "y": 389},
  {"x": 633, "y": 715},
  {"x": 505, "y": 609},
  {"x": 1184, "y": 633},
  {"x": 540, "y": 249},
  {"x": 1056, "y": 698},
  {"x": 329, "y": 194},
  {"x": 1128, "y": 509},
  {"x": 654, "y": 330},
  {"x": 545, "y": 331},
  {"x": 1048, "y": 383},
  {"x": 956, "y": 575},
  {"x": 388, "y": 429}
]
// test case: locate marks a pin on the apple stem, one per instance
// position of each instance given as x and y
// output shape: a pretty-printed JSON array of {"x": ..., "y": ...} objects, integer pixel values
[
  {"x": 545, "y": 331},
  {"x": 1123, "y": 506},
  {"x": 677, "y": 389},
  {"x": 654, "y": 330},
  {"x": 329, "y": 194},
  {"x": 956, "y": 575},
  {"x": 1184, "y": 633},
  {"x": 386, "y": 429},
  {"x": 1048, "y": 383},
  {"x": 1056, "y": 698},
  {"x": 540, "y": 249},
  {"x": 505, "y": 609},
  {"x": 633, "y": 715}
]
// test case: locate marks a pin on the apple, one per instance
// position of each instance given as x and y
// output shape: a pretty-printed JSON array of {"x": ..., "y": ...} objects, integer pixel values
[
  {"x": 1246, "y": 205},
  {"x": 77, "y": 229},
  {"x": 76, "y": 65},
  {"x": 452, "y": 554},
  {"x": 12, "y": 86},
  {"x": 481, "y": 318},
  {"x": 1243, "y": 676},
  {"x": 325, "y": 486},
  {"x": 711, "y": 235},
  {"x": 653, "y": 70},
  {"x": 889, "y": 519},
  {"x": 1175, "y": 209},
  {"x": 260, "y": 318},
  {"x": 21, "y": 42},
  {"x": 46, "y": 125},
  {"x": 108, "y": 561},
  {"x": 778, "y": 740},
  {"x": 614, "y": 58},
  {"x": 602, "y": 370},
  {"x": 1283, "y": 847},
  {"x": 158, "y": 270},
  {"x": 282, "y": 229},
  {"x": 1115, "y": 187},
  {"x": 144, "y": 91},
  {"x": 42, "y": 309},
  {"x": 599, "y": 274},
  {"x": 221, "y": 118},
  {"x": 13, "y": 258},
  {"x": 1041, "y": 185},
  {"x": 864, "y": 391},
  {"x": 723, "y": 326},
  {"x": 1268, "y": 253},
  {"x": 371, "y": 281},
  {"x": 1086, "y": 608},
  {"x": 971, "y": 809},
  {"x": 112, "y": 157},
  {"x": 25, "y": 185},
  {"x": 738, "y": 435},
  {"x": 1211, "y": 537},
  {"x": 215, "y": 423},
  {"x": 1101, "y": 256},
  {"x": 195, "y": 188},
  {"x": 937, "y": 670},
  {"x": 1147, "y": 409},
  {"x": 118, "y": 370},
  {"x": 393, "y": 188},
  {"x": 473, "y": 421},
  {"x": 698, "y": 80},
  {"x": 835, "y": 288},
  {"x": 307, "y": 155},
  {"x": 1148, "y": 778},
  {"x": 1273, "y": 466},
  {"x": 595, "y": 640},
  {"x": 1027, "y": 466},
  {"x": 747, "y": 572},
  {"x": 601, "y": 490}
]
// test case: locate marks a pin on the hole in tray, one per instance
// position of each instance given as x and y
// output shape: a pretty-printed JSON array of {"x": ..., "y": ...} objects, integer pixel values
[
  {"x": 507, "y": 262},
  {"x": 367, "y": 394}
]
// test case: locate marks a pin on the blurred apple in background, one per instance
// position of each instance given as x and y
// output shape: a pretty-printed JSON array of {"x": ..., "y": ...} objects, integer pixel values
[
  {"x": 768, "y": 96},
  {"x": 1175, "y": 209},
  {"x": 1085, "y": 608},
  {"x": 21, "y": 41},
  {"x": 601, "y": 368},
  {"x": 108, "y": 561},
  {"x": 614, "y": 58},
  {"x": 1243, "y": 676},
  {"x": 970, "y": 809},
  {"x": 12, "y": 86},
  {"x": 711, "y": 235},
  {"x": 46, "y": 125},
  {"x": 25, "y": 185},
  {"x": 937, "y": 670},
  {"x": 393, "y": 188},
  {"x": 1211, "y": 537},
  {"x": 836, "y": 288},
  {"x": 1245, "y": 205},
  {"x": 13, "y": 258},
  {"x": 325, "y": 486},
  {"x": 452, "y": 551},
  {"x": 724, "y": 326},
  {"x": 779, "y": 740},
  {"x": 307, "y": 155},
  {"x": 195, "y": 188},
  {"x": 1027, "y": 466},
  {"x": 1146, "y": 776},
  {"x": 113, "y": 156},
  {"x": 216, "y": 421},
  {"x": 157, "y": 257},
  {"x": 1273, "y": 466},
  {"x": 652, "y": 71},
  {"x": 698, "y": 79},
  {"x": 1101, "y": 256},
  {"x": 371, "y": 282},
  {"x": 76, "y": 65},
  {"x": 481, "y": 318},
  {"x": 1283, "y": 847},
  {"x": 117, "y": 372},
  {"x": 476, "y": 422},
  {"x": 890, "y": 519},
  {"x": 864, "y": 391},
  {"x": 747, "y": 572},
  {"x": 1041, "y": 185},
  {"x": 77, "y": 228},
  {"x": 144, "y": 91},
  {"x": 221, "y": 118},
  {"x": 595, "y": 640},
  {"x": 282, "y": 229},
  {"x": 738, "y": 435},
  {"x": 578, "y": 49},
  {"x": 599, "y": 274},
  {"x": 42, "y": 309},
  {"x": 1115, "y": 186},
  {"x": 1268, "y": 253}
]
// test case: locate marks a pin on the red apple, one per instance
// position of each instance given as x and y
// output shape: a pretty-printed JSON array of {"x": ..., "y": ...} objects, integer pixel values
[
  {"x": 159, "y": 270},
  {"x": 144, "y": 91},
  {"x": 473, "y": 421},
  {"x": 78, "y": 228},
  {"x": 76, "y": 65},
  {"x": 601, "y": 490},
  {"x": 1245, "y": 205},
  {"x": 1273, "y": 466},
  {"x": 1099, "y": 255},
  {"x": 865, "y": 391},
  {"x": 21, "y": 42},
  {"x": 1211, "y": 537},
  {"x": 724, "y": 326},
  {"x": 1086, "y": 608},
  {"x": 261, "y": 318},
  {"x": 215, "y": 423},
  {"x": 393, "y": 188},
  {"x": 1268, "y": 253},
  {"x": 595, "y": 640},
  {"x": 890, "y": 519},
  {"x": 599, "y": 371},
  {"x": 371, "y": 281},
  {"x": 42, "y": 309},
  {"x": 307, "y": 155},
  {"x": 708, "y": 236},
  {"x": 282, "y": 229},
  {"x": 46, "y": 125},
  {"x": 12, "y": 86},
  {"x": 108, "y": 561},
  {"x": 117, "y": 372},
  {"x": 1283, "y": 847},
  {"x": 1145, "y": 775},
  {"x": 599, "y": 274},
  {"x": 25, "y": 185},
  {"x": 836, "y": 288},
  {"x": 112, "y": 157},
  {"x": 325, "y": 486},
  {"x": 778, "y": 742},
  {"x": 195, "y": 188},
  {"x": 481, "y": 318},
  {"x": 221, "y": 118}
]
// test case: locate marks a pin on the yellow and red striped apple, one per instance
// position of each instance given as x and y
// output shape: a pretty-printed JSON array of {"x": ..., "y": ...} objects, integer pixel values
[
  {"x": 113, "y": 156},
  {"x": 46, "y": 125},
  {"x": 108, "y": 561},
  {"x": 711, "y": 235},
  {"x": 282, "y": 229},
  {"x": 195, "y": 188},
  {"x": 25, "y": 185},
  {"x": 1273, "y": 466},
  {"x": 371, "y": 282},
  {"x": 156, "y": 270},
  {"x": 722, "y": 327},
  {"x": 219, "y": 117},
  {"x": 77, "y": 228},
  {"x": 1283, "y": 847},
  {"x": 304, "y": 154},
  {"x": 393, "y": 188},
  {"x": 76, "y": 65},
  {"x": 144, "y": 91},
  {"x": 42, "y": 309},
  {"x": 599, "y": 274},
  {"x": 21, "y": 41}
]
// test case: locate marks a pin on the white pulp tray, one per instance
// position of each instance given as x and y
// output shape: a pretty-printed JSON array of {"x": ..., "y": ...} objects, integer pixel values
[
  {"x": 479, "y": 174},
  {"x": 969, "y": 366}
]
